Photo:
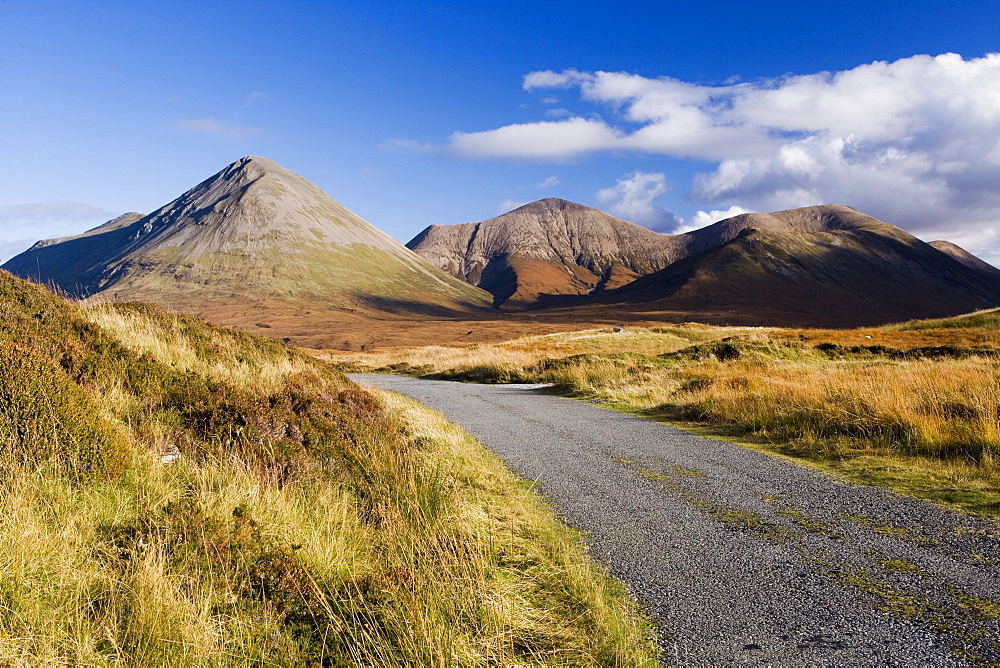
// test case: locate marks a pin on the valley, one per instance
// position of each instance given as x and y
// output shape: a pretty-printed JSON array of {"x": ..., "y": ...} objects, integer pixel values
[
  {"x": 191, "y": 361},
  {"x": 259, "y": 248},
  {"x": 912, "y": 406}
]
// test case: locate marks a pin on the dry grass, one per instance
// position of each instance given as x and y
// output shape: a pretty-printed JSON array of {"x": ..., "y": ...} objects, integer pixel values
[
  {"x": 305, "y": 522},
  {"x": 527, "y": 350},
  {"x": 923, "y": 419},
  {"x": 179, "y": 342}
]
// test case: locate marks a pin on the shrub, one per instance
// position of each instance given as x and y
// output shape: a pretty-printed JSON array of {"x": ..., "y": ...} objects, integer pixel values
[{"x": 47, "y": 420}]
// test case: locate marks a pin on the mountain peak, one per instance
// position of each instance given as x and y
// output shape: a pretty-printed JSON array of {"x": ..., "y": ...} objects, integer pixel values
[
  {"x": 551, "y": 204},
  {"x": 550, "y": 246},
  {"x": 254, "y": 230},
  {"x": 248, "y": 169},
  {"x": 258, "y": 163}
]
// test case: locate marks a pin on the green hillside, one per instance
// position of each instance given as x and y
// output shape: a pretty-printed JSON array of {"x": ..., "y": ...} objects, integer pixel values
[
  {"x": 985, "y": 319},
  {"x": 176, "y": 494}
]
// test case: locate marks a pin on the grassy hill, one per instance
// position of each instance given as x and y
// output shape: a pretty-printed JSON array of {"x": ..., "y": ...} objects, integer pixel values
[
  {"x": 174, "y": 494},
  {"x": 985, "y": 319}
]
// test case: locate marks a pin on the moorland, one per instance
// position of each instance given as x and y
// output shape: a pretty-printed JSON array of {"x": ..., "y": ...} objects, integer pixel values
[
  {"x": 913, "y": 406},
  {"x": 175, "y": 493},
  {"x": 187, "y": 477}
]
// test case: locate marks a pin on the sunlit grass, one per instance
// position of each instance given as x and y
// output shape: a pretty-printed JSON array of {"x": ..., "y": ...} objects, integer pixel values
[
  {"x": 926, "y": 422},
  {"x": 296, "y": 520}
]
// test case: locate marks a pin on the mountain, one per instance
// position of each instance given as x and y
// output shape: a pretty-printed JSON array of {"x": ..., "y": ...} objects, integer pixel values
[
  {"x": 966, "y": 258},
  {"x": 824, "y": 265},
  {"x": 553, "y": 247},
  {"x": 255, "y": 233},
  {"x": 547, "y": 247},
  {"x": 827, "y": 266}
]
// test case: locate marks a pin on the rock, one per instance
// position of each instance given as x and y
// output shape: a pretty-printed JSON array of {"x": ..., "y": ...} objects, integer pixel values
[{"x": 169, "y": 454}]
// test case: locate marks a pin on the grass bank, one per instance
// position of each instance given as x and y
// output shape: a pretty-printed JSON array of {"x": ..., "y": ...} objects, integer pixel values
[
  {"x": 177, "y": 494},
  {"x": 920, "y": 415}
]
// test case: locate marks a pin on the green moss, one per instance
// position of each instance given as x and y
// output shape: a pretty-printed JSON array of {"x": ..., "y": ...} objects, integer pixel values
[
  {"x": 809, "y": 524},
  {"x": 740, "y": 518},
  {"x": 901, "y": 566},
  {"x": 980, "y": 608}
]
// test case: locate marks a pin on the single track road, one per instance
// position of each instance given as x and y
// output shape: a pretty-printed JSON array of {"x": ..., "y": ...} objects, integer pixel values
[{"x": 743, "y": 557}]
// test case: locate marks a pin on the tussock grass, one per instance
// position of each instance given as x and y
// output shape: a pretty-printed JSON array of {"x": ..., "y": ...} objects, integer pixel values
[
  {"x": 985, "y": 319},
  {"x": 304, "y": 521},
  {"x": 185, "y": 344},
  {"x": 509, "y": 356},
  {"x": 924, "y": 420}
]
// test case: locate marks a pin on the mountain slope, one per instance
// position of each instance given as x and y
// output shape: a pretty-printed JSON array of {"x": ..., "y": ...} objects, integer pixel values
[
  {"x": 547, "y": 247},
  {"x": 253, "y": 231},
  {"x": 806, "y": 220},
  {"x": 866, "y": 274},
  {"x": 554, "y": 247},
  {"x": 966, "y": 258},
  {"x": 823, "y": 265}
]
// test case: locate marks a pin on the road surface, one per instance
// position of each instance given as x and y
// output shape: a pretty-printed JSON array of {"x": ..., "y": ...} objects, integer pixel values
[{"x": 743, "y": 557}]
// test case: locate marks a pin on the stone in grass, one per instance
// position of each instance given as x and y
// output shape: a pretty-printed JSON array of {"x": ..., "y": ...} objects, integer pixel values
[{"x": 169, "y": 454}]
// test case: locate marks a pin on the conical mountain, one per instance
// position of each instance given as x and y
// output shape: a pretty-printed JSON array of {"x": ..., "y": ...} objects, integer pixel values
[
  {"x": 254, "y": 231},
  {"x": 551, "y": 246}
]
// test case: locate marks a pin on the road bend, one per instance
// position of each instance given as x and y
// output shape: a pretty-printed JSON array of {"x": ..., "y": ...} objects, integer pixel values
[{"x": 742, "y": 557}]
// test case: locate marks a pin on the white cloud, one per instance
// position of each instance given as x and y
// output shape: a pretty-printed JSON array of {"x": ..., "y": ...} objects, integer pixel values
[
  {"x": 915, "y": 142},
  {"x": 216, "y": 128},
  {"x": 550, "y": 79},
  {"x": 405, "y": 146},
  {"x": 24, "y": 224},
  {"x": 548, "y": 182},
  {"x": 705, "y": 218},
  {"x": 255, "y": 97},
  {"x": 509, "y": 205},
  {"x": 631, "y": 199},
  {"x": 545, "y": 140}
]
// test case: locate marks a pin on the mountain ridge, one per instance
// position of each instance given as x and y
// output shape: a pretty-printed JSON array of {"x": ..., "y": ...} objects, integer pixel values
[
  {"x": 838, "y": 251},
  {"x": 556, "y": 247},
  {"x": 839, "y": 277}
]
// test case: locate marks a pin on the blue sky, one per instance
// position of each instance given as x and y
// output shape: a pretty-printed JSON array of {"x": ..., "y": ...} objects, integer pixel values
[{"x": 412, "y": 113}]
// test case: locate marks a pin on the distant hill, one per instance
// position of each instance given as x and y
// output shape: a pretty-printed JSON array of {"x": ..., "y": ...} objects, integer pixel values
[
  {"x": 836, "y": 273},
  {"x": 966, "y": 258},
  {"x": 553, "y": 247},
  {"x": 547, "y": 247},
  {"x": 255, "y": 231},
  {"x": 829, "y": 265}
]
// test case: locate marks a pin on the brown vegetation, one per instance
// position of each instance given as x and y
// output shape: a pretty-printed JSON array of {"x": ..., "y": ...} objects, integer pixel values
[
  {"x": 175, "y": 494},
  {"x": 914, "y": 406}
]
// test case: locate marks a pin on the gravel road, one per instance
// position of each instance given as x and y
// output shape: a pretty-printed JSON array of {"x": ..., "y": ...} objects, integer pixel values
[{"x": 742, "y": 557}]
